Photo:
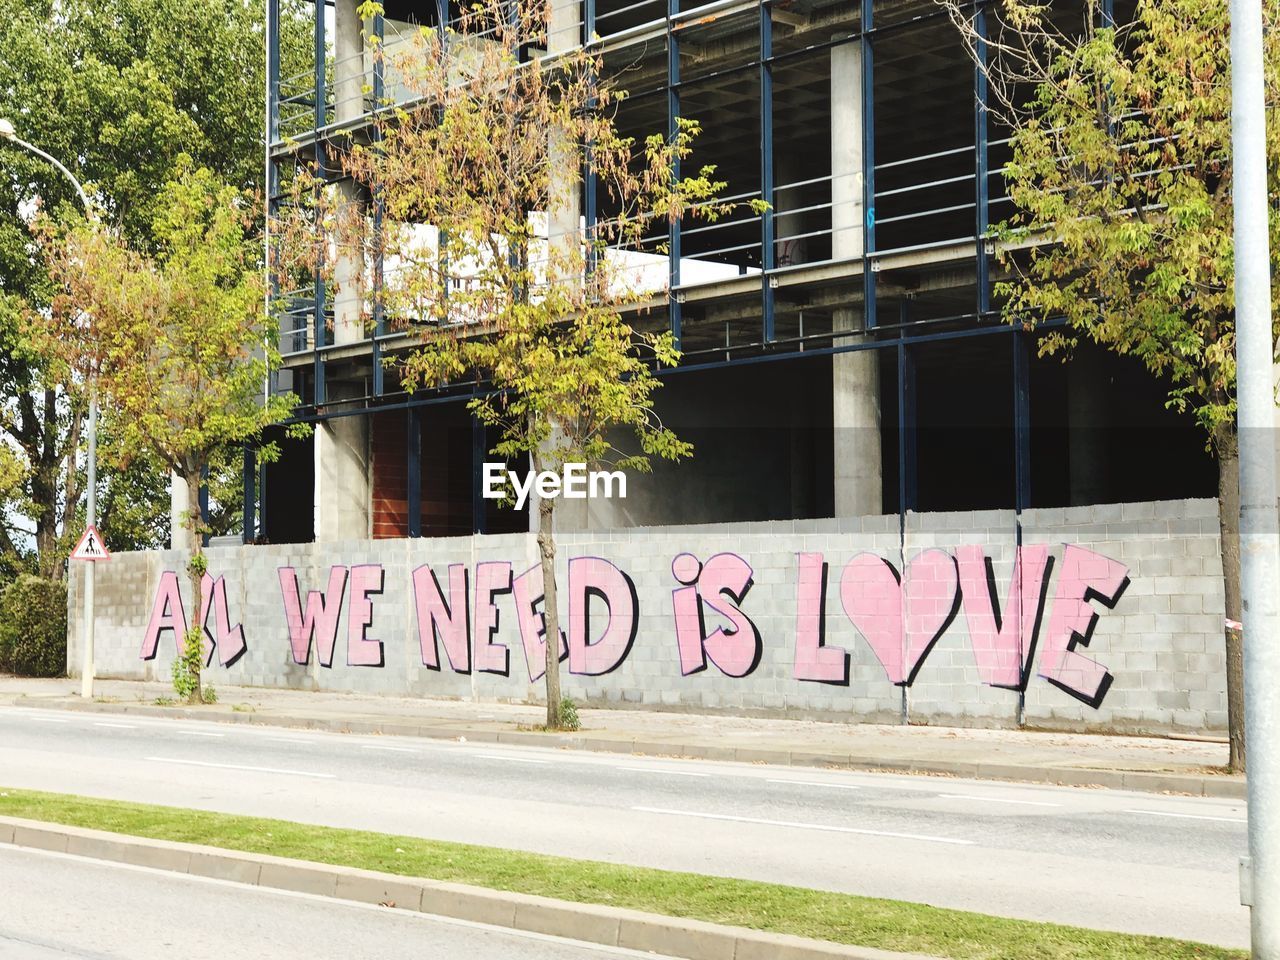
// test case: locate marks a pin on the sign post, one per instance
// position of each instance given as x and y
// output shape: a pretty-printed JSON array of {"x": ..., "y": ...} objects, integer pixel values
[{"x": 92, "y": 550}]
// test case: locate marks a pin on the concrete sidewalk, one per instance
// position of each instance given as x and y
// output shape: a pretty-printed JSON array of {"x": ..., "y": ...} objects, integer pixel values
[{"x": 1132, "y": 763}]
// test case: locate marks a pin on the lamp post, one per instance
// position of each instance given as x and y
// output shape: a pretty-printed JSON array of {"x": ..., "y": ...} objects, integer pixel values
[{"x": 8, "y": 133}]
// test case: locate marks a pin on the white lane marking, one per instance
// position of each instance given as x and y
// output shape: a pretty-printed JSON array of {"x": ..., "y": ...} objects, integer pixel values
[
  {"x": 659, "y": 770},
  {"x": 817, "y": 783},
  {"x": 169, "y": 879},
  {"x": 378, "y": 746},
  {"x": 1185, "y": 816},
  {"x": 498, "y": 756},
  {"x": 238, "y": 766},
  {"x": 805, "y": 826},
  {"x": 290, "y": 740},
  {"x": 49, "y": 719},
  {"x": 115, "y": 726},
  {"x": 200, "y": 733},
  {"x": 970, "y": 796}
]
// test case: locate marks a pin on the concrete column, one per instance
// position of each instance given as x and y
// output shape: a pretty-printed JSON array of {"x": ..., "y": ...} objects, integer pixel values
[
  {"x": 348, "y": 83},
  {"x": 846, "y": 151},
  {"x": 855, "y": 377},
  {"x": 564, "y": 32},
  {"x": 178, "y": 538},
  {"x": 343, "y": 485},
  {"x": 348, "y": 61},
  {"x": 787, "y": 225}
]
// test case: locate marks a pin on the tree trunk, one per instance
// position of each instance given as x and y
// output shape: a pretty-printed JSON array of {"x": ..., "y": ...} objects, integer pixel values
[
  {"x": 550, "y": 606},
  {"x": 1226, "y": 443},
  {"x": 195, "y": 570}
]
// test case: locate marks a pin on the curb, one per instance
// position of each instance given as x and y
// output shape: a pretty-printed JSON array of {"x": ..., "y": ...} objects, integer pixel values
[
  {"x": 1139, "y": 781},
  {"x": 592, "y": 923}
]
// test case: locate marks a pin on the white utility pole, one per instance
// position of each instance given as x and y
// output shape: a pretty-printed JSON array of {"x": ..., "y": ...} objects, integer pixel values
[
  {"x": 1259, "y": 547},
  {"x": 7, "y": 132}
]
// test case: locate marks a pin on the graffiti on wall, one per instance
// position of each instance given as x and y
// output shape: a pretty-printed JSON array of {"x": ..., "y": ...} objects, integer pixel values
[{"x": 899, "y": 615}]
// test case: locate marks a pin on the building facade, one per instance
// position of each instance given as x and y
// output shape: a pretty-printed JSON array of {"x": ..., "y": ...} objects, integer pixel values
[
  {"x": 844, "y": 354},
  {"x": 897, "y": 510}
]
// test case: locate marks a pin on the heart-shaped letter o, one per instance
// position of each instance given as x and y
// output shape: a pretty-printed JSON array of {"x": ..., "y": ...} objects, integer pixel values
[{"x": 901, "y": 623}]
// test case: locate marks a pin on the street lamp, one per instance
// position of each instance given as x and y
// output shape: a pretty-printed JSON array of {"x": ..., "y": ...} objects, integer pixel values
[{"x": 8, "y": 133}]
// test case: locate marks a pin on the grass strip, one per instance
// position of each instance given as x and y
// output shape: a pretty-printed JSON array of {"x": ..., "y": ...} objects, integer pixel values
[{"x": 841, "y": 918}]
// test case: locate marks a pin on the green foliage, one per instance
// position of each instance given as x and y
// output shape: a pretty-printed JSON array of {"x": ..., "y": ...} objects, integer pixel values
[
  {"x": 186, "y": 666},
  {"x": 569, "y": 715},
  {"x": 177, "y": 341},
  {"x": 1121, "y": 177},
  {"x": 33, "y": 627},
  {"x": 118, "y": 90},
  {"x": 521, "y": 303}
]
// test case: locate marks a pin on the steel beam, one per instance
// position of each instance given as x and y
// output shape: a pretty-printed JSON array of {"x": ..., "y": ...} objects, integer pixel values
[
  {"x": 767, "y": 251},
  {"x": 868, "y": 167},
  {"x": 673, "y": 111},
  {"x": 249, "y": 511},
  {"x": 413, "y": 472}
]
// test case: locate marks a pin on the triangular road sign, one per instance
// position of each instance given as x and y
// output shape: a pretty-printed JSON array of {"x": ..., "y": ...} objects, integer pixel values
[{"x": 91, "y": 546}]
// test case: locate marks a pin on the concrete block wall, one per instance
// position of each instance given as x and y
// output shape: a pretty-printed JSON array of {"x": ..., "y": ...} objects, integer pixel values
[{"x": 1161, "y": 644}]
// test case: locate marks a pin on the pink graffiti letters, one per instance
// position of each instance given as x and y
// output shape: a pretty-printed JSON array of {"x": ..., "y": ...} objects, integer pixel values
[
  {"x": 721, "y": 584},
  {"x": 319, "y": 620},
  {"x": 1085, "y": 576},
  {"x": 366, "y": 580},
  {"x": 493, "y": 578},
  {"x": 167, "y": 613},
  {"x": 592, "y": 577},
  {"x": 901, "y": 622},
  {"x": 528, "y": 594},
  {"x": 447, "y": 622},
  {"x": 228, "y": 641},
  {"x": 815, "y": 661},
  {"x": 900, "y": 616},
  {"x": 1003, "y": 639}
]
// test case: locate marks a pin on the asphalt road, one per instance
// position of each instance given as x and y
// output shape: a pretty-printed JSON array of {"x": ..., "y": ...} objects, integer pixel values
[
  {"x": 1104, "y": 859},
  {"x": 57, "y": 907}
]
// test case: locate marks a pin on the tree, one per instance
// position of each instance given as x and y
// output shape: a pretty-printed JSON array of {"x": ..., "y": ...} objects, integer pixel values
[
  {"x": 476, "y": 186},
  {"x": 1121, "y": 179},
  {"x": 177, "y": 341},
  {"x": 117, "y": 89}
]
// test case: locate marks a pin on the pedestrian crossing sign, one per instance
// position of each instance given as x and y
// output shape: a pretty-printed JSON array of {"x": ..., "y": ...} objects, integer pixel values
[{"x": 91, "y": 546}]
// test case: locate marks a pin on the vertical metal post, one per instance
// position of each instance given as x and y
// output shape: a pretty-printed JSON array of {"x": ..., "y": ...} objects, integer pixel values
[
  {"x": 767, "y": 251},
  {"x": 1260, "y": 578},
  {"x": 1021, "y": 420},
  {"x": 868, "y": 167},
  {"x": 673, "y": 111},
  {"x": 479, "y": 450},
  {"x": 982, "y": 205},
  {"x": 379, "y": 212},
  {"x": 263, "y": 518},
  {"x": 273, "y": 72},
  {"x": 413, "y": 472},
  {"x": 90, "y": 573},
  {"x": 272, "y": 173},
  {"x": 249, "y": 511},
  {"x": 907, "y": 476},
  {"x": 318, "y": 322}
]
